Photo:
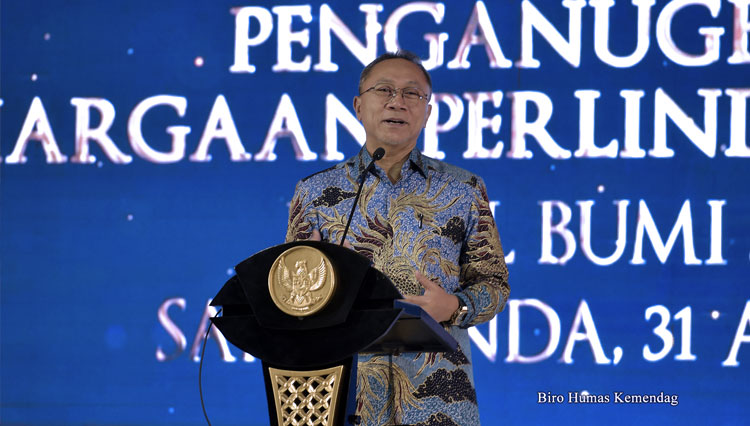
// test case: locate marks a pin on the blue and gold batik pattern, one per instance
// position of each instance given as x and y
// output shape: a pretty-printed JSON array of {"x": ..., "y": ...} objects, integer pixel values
[{"x": 435, "y": 219}]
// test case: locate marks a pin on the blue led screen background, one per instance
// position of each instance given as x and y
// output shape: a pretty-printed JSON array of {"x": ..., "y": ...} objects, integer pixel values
[{"x": 148, "y": 147}]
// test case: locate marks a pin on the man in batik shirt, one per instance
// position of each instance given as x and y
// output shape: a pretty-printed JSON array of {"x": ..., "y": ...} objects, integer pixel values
[{"x": 428, "y": 226}]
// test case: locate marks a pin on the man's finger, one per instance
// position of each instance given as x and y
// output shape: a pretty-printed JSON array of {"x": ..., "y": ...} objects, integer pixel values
[
  {"x": 315, "y": 236},
  {"x": 414, "y": 300},
  {"x": 426, "y": 282}
]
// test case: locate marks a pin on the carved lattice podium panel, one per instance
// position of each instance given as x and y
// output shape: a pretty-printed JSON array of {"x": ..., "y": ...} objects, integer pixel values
[{"x": 306, "y": 398}]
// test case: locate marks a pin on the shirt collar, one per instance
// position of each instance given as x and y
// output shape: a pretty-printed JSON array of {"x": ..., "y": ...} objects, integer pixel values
[{"x": 415, "y": 161}]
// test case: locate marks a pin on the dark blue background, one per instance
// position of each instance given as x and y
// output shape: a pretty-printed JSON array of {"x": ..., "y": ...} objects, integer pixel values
[{"x": 90, "y": 252}]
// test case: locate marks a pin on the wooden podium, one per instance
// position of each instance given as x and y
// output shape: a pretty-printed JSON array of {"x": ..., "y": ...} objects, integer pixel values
[{"x": 306, "y": 309}]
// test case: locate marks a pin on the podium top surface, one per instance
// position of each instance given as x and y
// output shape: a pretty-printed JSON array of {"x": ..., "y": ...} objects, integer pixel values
[{"x": 413, "y": 331}]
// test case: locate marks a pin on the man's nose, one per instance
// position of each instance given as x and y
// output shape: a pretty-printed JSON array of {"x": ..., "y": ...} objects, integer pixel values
[{"x": 397, "y": 100}]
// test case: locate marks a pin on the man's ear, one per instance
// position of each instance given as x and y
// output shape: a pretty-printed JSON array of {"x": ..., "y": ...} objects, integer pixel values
[
  {"x": 427, "y": 115},
  {"x": 357, "y": 105}
]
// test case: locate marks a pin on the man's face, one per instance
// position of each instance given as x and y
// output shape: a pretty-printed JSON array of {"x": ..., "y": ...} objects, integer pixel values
[{"x": 393, "y": 122}]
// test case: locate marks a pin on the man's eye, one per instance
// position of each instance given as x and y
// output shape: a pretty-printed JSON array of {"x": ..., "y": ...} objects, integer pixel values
[
  {"x": 384, "y": 90},
  {"x": 412, "y": 93}
]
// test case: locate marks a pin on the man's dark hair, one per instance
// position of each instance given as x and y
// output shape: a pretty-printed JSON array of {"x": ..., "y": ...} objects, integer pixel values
[{"x": 400, "y": 54}]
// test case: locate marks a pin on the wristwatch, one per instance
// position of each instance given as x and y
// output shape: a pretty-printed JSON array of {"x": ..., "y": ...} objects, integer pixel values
[{"x": 459, "y": 314}]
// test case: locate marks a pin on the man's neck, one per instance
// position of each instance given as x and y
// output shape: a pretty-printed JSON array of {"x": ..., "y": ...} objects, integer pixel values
[{"x": 392, "y": 162}]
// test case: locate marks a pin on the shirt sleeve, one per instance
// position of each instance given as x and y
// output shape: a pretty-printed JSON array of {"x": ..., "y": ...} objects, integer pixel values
[
  {"x": 302, "y": 217},
  {"x": 483, "y": 272}
]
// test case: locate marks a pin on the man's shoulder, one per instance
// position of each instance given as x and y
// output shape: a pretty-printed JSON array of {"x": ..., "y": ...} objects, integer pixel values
[
  {"x": 451, "y": 172},
  {"x": 326, "y": 174}
]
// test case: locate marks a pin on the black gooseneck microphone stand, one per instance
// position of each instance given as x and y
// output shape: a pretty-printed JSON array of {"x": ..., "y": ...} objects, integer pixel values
[{"x": 377, "y": 155}]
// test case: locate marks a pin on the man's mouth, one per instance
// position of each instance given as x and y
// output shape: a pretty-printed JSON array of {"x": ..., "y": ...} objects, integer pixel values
[{"x": 394, "y": 121}]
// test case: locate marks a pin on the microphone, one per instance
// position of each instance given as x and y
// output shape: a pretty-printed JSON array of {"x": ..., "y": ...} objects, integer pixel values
[{"x": 377, "y": 155}]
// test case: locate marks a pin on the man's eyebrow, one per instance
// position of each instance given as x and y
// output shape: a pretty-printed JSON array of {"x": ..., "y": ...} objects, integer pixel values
[{"x": 388, "y": 80}]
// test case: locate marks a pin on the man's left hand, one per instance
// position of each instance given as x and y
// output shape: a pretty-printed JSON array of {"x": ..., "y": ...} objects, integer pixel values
[{"x": 439, "y": 304}]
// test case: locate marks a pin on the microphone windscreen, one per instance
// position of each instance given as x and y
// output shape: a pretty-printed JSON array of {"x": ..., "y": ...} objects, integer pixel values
[{"x": 378, "y": 154}]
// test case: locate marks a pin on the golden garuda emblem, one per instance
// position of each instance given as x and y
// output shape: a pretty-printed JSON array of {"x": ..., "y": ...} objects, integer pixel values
[{"x": 301, "y": 281}]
